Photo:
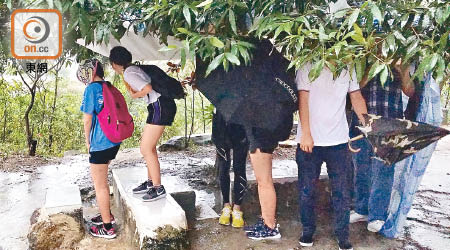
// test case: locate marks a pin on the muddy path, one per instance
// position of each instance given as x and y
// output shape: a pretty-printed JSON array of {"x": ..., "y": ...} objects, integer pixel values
[{"x": 22, "y": 190}]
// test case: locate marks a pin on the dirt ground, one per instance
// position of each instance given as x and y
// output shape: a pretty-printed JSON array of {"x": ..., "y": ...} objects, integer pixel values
[{"x": 24, "y": 163}]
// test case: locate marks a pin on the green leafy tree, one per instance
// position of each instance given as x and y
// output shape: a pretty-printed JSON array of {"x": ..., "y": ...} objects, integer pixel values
[{"x": 370, "y": 36}]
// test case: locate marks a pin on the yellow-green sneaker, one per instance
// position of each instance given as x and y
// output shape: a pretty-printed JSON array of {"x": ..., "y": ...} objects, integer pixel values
[
  {"x": 237, "y": 217},
  {"x": 225, "y": 216}
]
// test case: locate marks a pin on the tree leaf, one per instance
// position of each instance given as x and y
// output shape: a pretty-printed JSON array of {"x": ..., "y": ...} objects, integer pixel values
[
  {"x": 352, "y": 19},
  {"x": 183, "y": 30},
  {"x": 315, "y": 70},
  {"x": 204, "y": 3},
  {"x": 375, "y": 69},
  {"x": 244, "y": 54},
  {"x": 399, "y": 36},
  {"x": 432, "y": 63},
  {"x": 167, "y": 48},
  {"x": 360, "y": 67},
  {"x": 357, "y": 29},
  {"x": 376, "y": 13},
  {"x": 232, "y": 21},
  {"x": 412, "y": 46},
  {"x": 187, "y": 14},
  {"x": 216, "y": 42},
  {"x": 390, "y": 39},
  {"x": 384, "y": 49},
  {"x": 232, "y": 58},
  {"x": 443, "y": 41},
  {"x": 214, "y": 63},
  {"x": 322, "y": 36},
  {"x": 183, "y": 57},
  {"x": 440, "y": 69},
  {"x": 359, "y": 38},
  {"x": 384, "y": 75}
]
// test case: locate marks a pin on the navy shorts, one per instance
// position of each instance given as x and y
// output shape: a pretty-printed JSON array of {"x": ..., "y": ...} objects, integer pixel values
[
  {"x": 162, "y": 112},
  {"x": 104, "y": 156}
]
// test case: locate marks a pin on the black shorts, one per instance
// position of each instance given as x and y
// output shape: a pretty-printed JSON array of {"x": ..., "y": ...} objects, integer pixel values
[
  {"x": 267, "y": 140},
  {"x": 104, "y": 156},
  {"x": 162, "y": 112}
]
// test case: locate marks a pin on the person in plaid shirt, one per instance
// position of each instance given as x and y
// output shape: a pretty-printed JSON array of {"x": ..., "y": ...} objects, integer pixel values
[{"x": 373, "y": 179}]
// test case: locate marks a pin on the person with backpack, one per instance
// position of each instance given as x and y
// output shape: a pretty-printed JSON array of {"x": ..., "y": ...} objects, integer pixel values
[
  {"x": 101, "y": 149},
  {"x": 141, "y": 83}
]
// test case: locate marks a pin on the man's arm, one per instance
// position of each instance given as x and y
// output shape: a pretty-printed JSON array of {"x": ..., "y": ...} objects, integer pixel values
[
  {"x": 306, "y": 141},
  {"x": 87, "y": 122},
  {"x": 147, "y": 89},
  {"x": 359, "y": 104}
]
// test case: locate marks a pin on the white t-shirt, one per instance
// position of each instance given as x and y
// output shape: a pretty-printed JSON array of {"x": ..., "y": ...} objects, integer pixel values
[
  {"x": 138, "y": 79},
  {"x": 327, "y": 99}
]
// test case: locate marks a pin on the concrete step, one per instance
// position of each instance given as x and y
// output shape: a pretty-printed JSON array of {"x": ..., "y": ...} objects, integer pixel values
[
  {"x": 62, "y": 199},
  {"x": 160, "y": 224},
  {"x": 59, "y": 223}
]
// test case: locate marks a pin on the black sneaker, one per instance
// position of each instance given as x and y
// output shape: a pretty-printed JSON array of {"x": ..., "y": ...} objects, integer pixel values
[
  {"x": 101, "y": 232},
  {"x": 259, "y": 224},
  {"x": 265, "y": 233},
  {"x": 143, "y": 188},
  {"x": 97, "y": 220},
  {"x": 345, "y": 245},
  {"x": 306, "y": 241},
  {"x": 154, "y": 193}
]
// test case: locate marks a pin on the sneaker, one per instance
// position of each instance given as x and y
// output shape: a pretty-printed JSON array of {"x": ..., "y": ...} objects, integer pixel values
[
  {"x": 224, "y": 218},
  {"x": 154, "y": 193},
  {"x": 375, "y": 226},
  {"x": 101, "y": 232},
  {"x": 265, "y": 233},
  {"x": 143, "y": 188},
  {"x": 306, "y": 241},
  {"x": 345, "y": 245},
  {"x": 355, "y": 217},
  {"x": 97, "y": 220},
  {"x": 259, "y": 224},
  {"x": 237, "y": 217}
]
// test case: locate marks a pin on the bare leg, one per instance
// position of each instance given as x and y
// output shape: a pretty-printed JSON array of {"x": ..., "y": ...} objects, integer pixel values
[
  {"x": 99, "y": 173},
  {"x": 262, "y": 166},
  {"x": 150, "y": 137}
]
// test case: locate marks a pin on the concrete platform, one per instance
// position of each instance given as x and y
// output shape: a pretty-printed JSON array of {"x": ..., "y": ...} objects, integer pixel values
[
  {"x": 62, "y": 199},
  {"x": 160, "y": 224}
]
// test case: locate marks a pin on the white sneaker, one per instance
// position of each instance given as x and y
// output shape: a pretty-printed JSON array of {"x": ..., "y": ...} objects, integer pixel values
[
  {"x": 375, "y": 226},
  {"x": 355, "y": 217}
]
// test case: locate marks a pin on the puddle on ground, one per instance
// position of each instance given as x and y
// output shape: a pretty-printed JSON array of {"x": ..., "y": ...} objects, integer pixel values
[{"x": 22, "y": 193}]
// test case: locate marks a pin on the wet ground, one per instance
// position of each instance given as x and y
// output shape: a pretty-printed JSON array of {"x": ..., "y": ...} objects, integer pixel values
[{"x": 23, "y": 191}]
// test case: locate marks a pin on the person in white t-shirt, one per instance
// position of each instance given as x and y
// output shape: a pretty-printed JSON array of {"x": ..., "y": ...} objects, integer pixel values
[
  {"x": 161, "y": 113},
  {"x": 323, "y": 135}
]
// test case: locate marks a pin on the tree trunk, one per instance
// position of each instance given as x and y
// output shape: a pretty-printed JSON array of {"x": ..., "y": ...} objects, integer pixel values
[
  {"x": 203, "y": 114},
  {"x": 32, "y": 150},
  {"x": 50, "y": 137},
  {"x": 192, "y": 115},
  {"x": 185, "y": 123},
  {"x": 5, "y": 117}
]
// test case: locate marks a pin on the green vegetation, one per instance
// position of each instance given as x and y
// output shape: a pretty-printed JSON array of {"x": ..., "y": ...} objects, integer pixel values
[{"x": 370, "y": 37}]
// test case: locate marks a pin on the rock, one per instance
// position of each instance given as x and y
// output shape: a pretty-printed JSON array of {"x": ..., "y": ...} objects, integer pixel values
[
  {"x": 59, "y": 231},
  {"x": 178, "y": 142},
  {"x": 71, "y": 153}
]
